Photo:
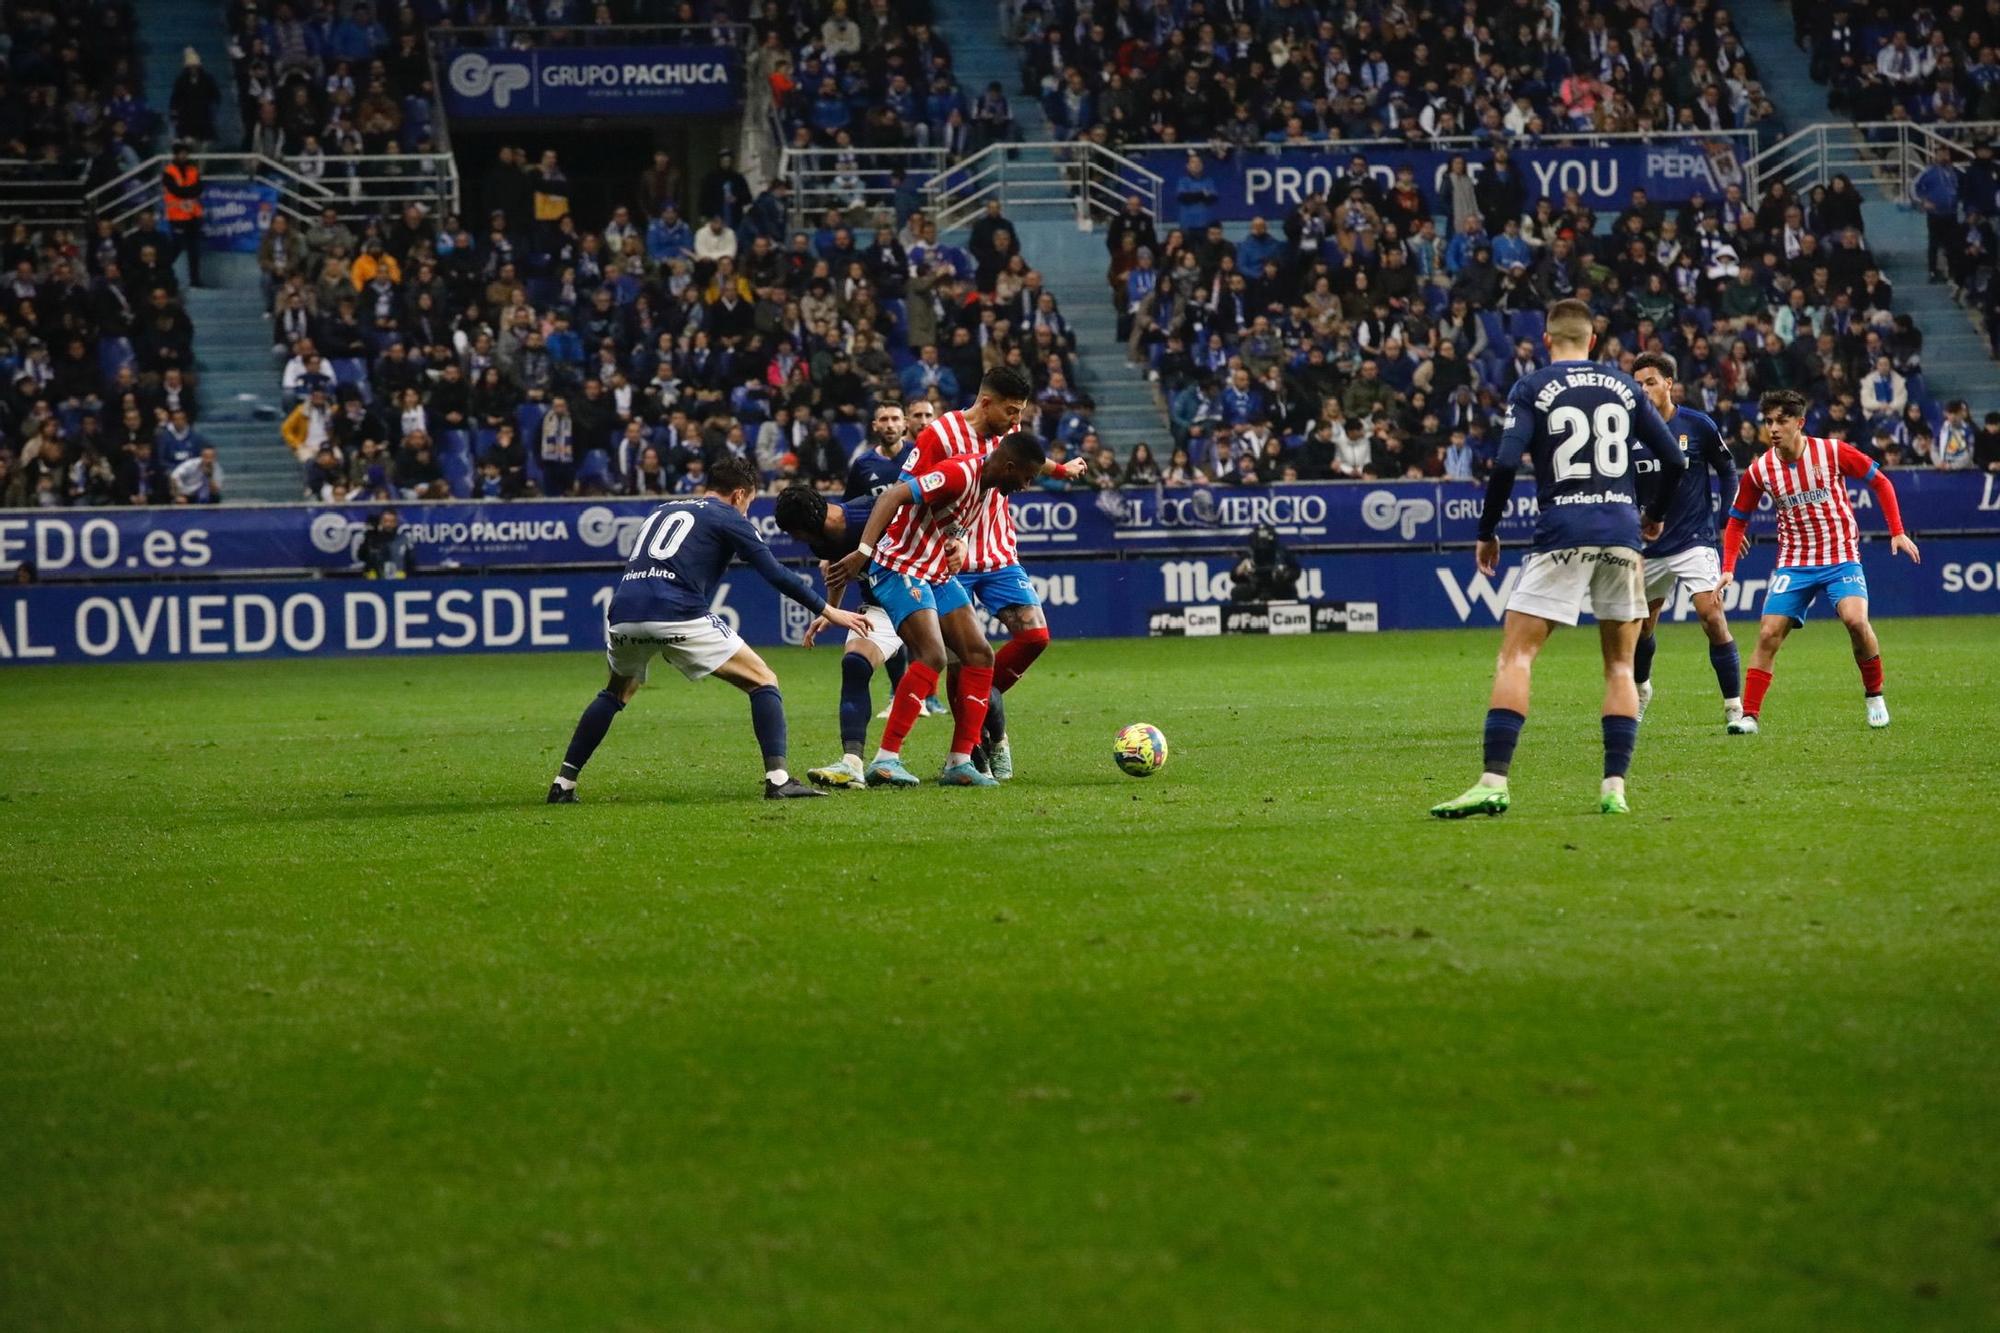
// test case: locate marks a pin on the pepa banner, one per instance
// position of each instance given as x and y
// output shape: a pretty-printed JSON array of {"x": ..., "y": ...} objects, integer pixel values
[
  {"x": 1271, "y": 182},
  {"x": 122, "y": 543},
  {"x": 564, "y": 612},
  {"x": 593, "y": 81}
]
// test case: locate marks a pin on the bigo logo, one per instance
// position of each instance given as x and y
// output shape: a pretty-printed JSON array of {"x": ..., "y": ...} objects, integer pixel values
[
  {"x": 1383, "y": 511},
  {"x": 473, "y": 76}
]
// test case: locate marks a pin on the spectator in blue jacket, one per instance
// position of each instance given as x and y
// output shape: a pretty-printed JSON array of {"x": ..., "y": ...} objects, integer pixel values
[
  {"x": 927, "y": 372},
  {"x": 1936, "y": 193},
  {"x": 1197, "y": 197},
  {"x": 668, "y": 237},
  {"x": 1258, "y": 247}
]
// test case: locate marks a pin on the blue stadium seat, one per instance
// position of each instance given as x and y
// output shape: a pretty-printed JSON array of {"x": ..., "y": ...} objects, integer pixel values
[
  {"x": 528, "y": 420},
  {"x": 350, "y": 370},
  {"x": 1526, "y": 324},
  {"x": 1496, "y": 332},
  {"x": 850, "y": 434},
  {"x": 457, "y": 471},
  {"x": 455, "y": 444},
  {"x": 595, "y": 470},
  {"x": 113, "y": 355}
]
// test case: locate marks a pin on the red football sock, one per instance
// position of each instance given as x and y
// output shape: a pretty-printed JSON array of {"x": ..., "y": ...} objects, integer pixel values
[
  {"x": 1755, "y": 682},
  {"x": 915, "y": 687},
  {"x": 1016, "y": 656},
  {"x": 1871, "y": 676},
  {"x": 968, "y": 707}
]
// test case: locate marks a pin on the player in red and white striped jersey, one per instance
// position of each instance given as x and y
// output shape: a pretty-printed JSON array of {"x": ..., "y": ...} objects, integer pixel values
[
  {"x": 914, "y": 540},
  {"x": 1819, "y": 546},
  {"x": 993, "y": 574}
]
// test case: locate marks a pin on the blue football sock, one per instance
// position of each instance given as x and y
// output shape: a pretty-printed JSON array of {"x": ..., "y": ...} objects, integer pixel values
[
  {"x": 1503, "y": 732},
  {"x": 856, "y": 706},
  {"x": 1621, "y": 734},
  {"x": 1642, "y": 659},
  {"x": 590, "y": 729},
  {"x": 1728, "y": 668},
  {"x": 995, "y": 726},
  {"x": 767, "y": 716}
]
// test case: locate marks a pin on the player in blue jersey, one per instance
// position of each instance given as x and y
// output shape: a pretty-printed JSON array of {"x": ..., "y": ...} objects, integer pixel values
[
  {"x": 878, "y": 465},
  {"x": 1579, "y": 422},
  {"x": 1686, "y": 551},
  {"x": 661, "y": 606},
  {"x": 830, "y": 532}
]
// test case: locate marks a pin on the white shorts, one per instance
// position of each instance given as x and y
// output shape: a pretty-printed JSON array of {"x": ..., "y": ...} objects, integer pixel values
[
  {"x": 695, "y": 647},
  {"x": 880, "y": 633},
  {"x": 1560, "y": 585},
  {"x": 1699, "y": 567}
]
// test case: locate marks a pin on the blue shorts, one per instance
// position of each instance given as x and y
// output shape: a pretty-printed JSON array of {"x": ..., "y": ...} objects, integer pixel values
[
  {"x": 998, "y": 589},
  {"x": 1794, "y": 589},
  {"x": 903, "y": 595}
]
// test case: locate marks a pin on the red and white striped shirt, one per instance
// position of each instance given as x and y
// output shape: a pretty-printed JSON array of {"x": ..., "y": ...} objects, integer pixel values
[
  {"x": 1815, "y": 519},
  {"x": 948, "y": 502},
  {"x": 990, "y": 541}
]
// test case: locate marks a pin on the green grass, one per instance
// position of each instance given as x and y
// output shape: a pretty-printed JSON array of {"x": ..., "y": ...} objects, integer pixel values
[{"x": 312, "y": 1016}]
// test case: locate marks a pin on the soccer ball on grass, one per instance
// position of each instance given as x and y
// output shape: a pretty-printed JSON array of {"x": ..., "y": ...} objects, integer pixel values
[{"x": 1140, "y": 750}]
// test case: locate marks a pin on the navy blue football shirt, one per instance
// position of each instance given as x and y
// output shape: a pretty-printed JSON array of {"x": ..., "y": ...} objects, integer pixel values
[
  {"x": 1691, "y": 513},
  {"x": 680, "y": 554},
  {"x": 1581, "y": 424}
]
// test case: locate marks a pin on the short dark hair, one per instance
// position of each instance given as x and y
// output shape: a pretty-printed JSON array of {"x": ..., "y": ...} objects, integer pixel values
[
  {"x": 801, "y": 509},
  {"x": 1026, "y": 446},
  {"x": 1789, "y": 401},
  {"x": 1007, "y": 383},
  {"x": 730, "y": 473},
  {"x": 1659, "y": 361}
]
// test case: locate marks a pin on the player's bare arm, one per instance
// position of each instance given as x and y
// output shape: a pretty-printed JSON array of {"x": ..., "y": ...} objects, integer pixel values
[{"x": 895, "y": 497}]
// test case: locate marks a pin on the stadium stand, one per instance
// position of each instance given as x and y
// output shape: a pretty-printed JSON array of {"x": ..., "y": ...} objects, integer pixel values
[{"x": 1369, "y": 330}]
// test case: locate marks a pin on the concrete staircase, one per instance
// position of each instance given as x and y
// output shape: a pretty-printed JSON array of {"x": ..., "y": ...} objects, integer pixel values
[
  {"x": 239, "y": 380},
  {"x": 1072, "y": 262},
  {"x": 980, "y": 55},
  {"x": 166, "y": 29},
  {"x": 1956, "y": 360}
]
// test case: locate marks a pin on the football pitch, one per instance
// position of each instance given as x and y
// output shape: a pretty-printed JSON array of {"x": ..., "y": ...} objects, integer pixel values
[{"x": 313, "y": 1016}]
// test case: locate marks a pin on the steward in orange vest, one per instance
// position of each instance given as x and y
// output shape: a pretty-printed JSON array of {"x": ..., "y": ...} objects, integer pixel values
[{"x": 180, "y": 184}]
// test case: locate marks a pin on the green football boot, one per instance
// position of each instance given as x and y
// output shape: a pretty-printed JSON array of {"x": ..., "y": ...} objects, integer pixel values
[{"x": 1478, "y": 799}]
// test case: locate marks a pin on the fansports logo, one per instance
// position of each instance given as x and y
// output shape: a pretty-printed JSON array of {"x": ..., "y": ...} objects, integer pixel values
[
  {"x": 474, "y": 76},
  {"x": 334, "y": 532},
  {"x": 1384, "y": 512}
]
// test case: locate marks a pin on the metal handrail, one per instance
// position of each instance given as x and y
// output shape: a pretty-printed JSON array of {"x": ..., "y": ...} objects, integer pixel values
[
  {"x": 357, "y": 186},
  {"x": 453, "y": 36},
  {"x": 1886, "y": 154},
  {"x": 28, "y": 196},
  {"x": 1082, "y": 178},
  {"x": 1457, "y": 143},
  {"x": 812, "y": 170}
]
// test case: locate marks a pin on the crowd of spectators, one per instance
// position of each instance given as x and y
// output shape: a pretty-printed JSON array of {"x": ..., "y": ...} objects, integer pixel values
[
  {"x": 72, "y": 91},
  {"x": 98, "y": 403},
  {"x": 101, "y": 404},
  {"x": 1933, "y": 64},
  {"x": 1299, "y": 71},
  {"x": 531, "y": 351},
  {"x": 319, "y": 84},
  {"x": 1354, "y": 340}
]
